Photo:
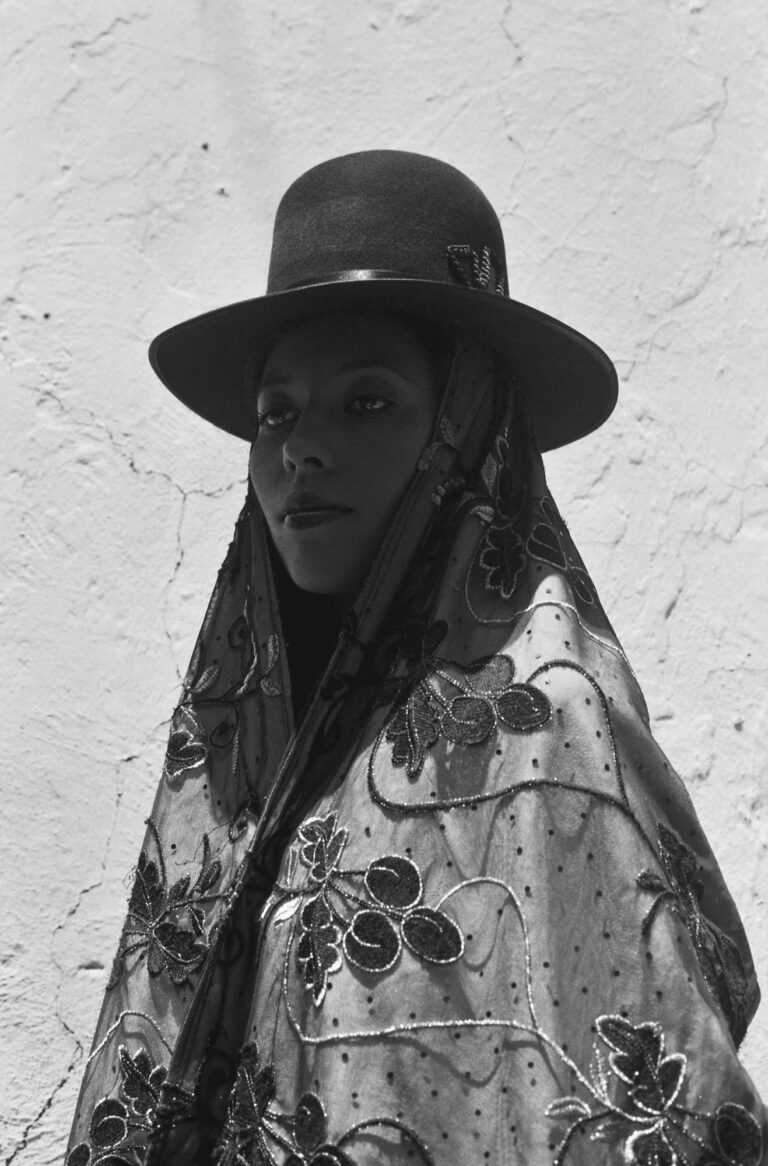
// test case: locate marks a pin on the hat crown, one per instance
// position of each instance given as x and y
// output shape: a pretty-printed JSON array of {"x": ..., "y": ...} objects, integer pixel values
[
  {"x": 387, "y": 213},
  {"x": 389, "y": 231}
]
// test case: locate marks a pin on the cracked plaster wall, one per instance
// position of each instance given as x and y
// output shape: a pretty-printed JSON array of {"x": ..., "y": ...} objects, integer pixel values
[{"x": 146, "y": 146}]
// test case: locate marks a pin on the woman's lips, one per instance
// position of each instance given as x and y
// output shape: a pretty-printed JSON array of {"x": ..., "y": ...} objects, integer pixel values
[
  {"x": 300, "y": 519},
  {"x": 304, "y": 508}
]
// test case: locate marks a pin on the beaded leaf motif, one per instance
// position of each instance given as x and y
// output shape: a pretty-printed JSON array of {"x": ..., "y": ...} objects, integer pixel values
[
  {"x": 681, "y": 890},
  {"x": 118, "y": 1125},
  {"x": 634, "y": 1093},
  {"x": 518, "y": 529},
  {"x": 255, "y": 1127},
  {"x": 166, "y": 922},
  {"x": 335, "y": 921},
  {"x": 488, "y": 696}
]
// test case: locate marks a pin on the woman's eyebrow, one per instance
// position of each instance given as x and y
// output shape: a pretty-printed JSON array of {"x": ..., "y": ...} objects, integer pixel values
[
  {"x": 369, "y": 364},
  {"x": 276, "y": 378},
  {"x": 273, "y": 380}
]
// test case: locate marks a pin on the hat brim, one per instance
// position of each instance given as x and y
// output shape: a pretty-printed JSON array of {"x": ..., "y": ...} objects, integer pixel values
[{"x": 570, "y": 384}]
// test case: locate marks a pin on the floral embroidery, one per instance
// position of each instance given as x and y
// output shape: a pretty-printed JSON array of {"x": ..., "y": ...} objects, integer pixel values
[
  {"x": 372, "y": 939},
  {"x": 116, "y": 1119},
  {"x": 270, "y": 685},
  {"x": 142, "y": 1081},
  {"x": 549, "y": 542},
  {"x": 489, "y": 696},
  {"x": 502, "y": 558},
  {"x": 247, "y": 1111},
  {"x": 254, "y": 1126},
  {"x": 719, "y": 957},
  {"x": 636, "y": 1089},
  {"x": 197, "y": 682},
  {"x": 516, "y": 532},
  {"x": 738, "y": 1138},
  {"x": 637, "y": 1058},
  {"x": 502, "y": 554},
  {"x": 186, "y": 750},
  {"x": 414, "y": 728},
  {"x": 190, "y": 742},
  {"x": 168, "y": 923}
]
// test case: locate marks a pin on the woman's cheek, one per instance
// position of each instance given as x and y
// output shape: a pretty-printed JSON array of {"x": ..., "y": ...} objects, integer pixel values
[
  {"x": 263, "y": 473},
  {"x": 252, "y": 466}
]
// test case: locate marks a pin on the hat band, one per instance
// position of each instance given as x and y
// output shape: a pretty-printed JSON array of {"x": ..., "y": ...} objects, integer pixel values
[
  {"x": 352, "y": 275},
  {"x": 484, "y": 272}
]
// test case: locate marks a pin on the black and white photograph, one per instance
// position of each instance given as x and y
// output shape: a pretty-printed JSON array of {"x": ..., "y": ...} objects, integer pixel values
[{"x": 385, "y": 514}]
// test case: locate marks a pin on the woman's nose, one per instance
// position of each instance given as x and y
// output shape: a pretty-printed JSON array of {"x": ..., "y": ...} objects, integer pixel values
[{"x": 307, "y": 444}]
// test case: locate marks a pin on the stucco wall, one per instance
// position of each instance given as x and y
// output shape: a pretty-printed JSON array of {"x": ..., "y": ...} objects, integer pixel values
[{"x": 145, "y": 148}]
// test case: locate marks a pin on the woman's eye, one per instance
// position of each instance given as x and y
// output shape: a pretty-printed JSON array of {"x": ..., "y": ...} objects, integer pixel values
[
  {"x": 273, "y": 417},
  {"x": 368, "y": 403}
]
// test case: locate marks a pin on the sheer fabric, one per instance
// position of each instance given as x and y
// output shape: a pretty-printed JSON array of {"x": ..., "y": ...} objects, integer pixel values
[{"x": 463, "y": 911}]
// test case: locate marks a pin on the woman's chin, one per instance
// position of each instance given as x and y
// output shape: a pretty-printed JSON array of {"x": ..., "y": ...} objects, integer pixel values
[{"x": 322, "y": 579}]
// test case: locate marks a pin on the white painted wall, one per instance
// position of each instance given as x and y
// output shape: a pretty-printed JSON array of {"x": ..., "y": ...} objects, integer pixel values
[{"x": 145, "y": 147}]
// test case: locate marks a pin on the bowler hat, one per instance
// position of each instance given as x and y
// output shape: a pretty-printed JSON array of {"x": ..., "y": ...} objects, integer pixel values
[{"x": 389, "y": 231}]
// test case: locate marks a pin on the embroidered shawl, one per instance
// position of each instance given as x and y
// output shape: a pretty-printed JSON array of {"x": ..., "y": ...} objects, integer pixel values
[{"x": 463, "y": 912}]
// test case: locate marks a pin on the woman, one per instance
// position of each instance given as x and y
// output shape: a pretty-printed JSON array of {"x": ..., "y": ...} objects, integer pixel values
[{"x": 418, "y": 885}]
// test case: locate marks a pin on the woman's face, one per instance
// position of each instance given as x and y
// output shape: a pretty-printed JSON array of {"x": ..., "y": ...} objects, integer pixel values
[{"x": 346, "y": 404}]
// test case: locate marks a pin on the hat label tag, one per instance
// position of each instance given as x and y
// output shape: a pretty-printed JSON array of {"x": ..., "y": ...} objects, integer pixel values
[{"x": 484, "y": 272}]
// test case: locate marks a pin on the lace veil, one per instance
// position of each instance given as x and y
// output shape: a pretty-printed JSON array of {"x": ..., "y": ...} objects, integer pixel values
[{"x": 464, "y": 910}]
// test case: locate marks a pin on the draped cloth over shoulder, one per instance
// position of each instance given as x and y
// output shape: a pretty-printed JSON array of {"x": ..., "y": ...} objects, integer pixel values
[{"x": 464, "y": 911}]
